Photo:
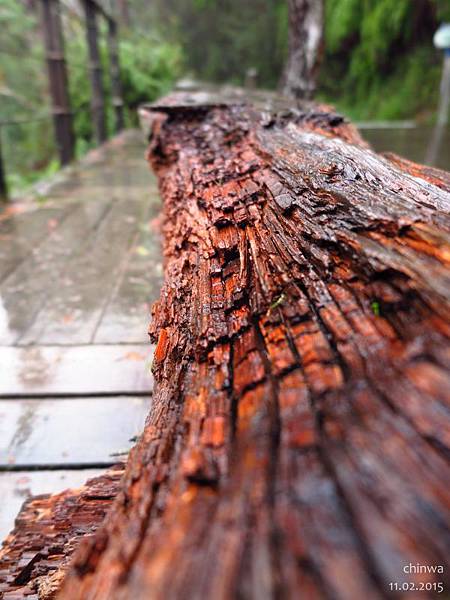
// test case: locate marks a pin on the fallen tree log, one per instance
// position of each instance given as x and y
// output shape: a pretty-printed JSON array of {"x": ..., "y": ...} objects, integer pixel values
[
  {"x": 299, "y": 436},
  {"x": 298, "y": 443}
]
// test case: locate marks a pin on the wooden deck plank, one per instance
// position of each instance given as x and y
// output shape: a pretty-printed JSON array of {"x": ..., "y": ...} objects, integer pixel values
[
  {"x": 76, "y": 304},
  {"x": 70, "y": 431},
  {"x": 127, "y": 315},
  {"x": 24, "y": 291},
  {"x": 82, "y": 277},
  {"x": 67, "y": 269},
  {"x": 17, "y": 487},
  {"x": 64, "y": 370},
  {"x": 21, "y": 232}
]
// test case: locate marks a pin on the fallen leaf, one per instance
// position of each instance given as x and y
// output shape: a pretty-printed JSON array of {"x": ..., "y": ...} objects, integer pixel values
[
  {"x": 10, "y": 211},
  {"x": 142, "y": 251},
  {"x": 22, "y": 480},
  {"x": 133, "y": 356},
  {"x": 155, "y": 224}
]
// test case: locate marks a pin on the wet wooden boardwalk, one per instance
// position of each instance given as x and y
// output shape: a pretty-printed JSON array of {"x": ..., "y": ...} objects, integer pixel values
[{"x": 79, "y": 270}]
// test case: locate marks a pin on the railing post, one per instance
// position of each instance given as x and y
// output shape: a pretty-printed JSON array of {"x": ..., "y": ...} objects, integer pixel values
[
  {"x": 116, "y": 86},
  {"x": 3, "y": 184},
  {"x": 95, "y": 71},
  {"x": 124, "y": 12},
  {"x": 58, "y": 80}
]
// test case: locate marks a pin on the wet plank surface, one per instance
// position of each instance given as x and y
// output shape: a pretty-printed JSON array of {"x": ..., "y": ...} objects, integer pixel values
[
  {"x": 75, "y": 370},
  {"x": 122, "y": 318},
  {"x": 72, "y": 431},
  {"x": 24, "y": 232},
  {"x": 74, "y": 266},
  {"x": 79, "y": 270}
]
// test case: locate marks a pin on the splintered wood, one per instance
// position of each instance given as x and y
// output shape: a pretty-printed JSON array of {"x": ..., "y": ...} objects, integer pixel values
[
  {"x": 35, "y": 555},
  {"x": 299, "y": 437}
]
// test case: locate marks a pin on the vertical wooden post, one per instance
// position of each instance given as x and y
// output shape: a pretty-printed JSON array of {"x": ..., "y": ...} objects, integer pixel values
[
  {"x": 95, "y": 71},
  {"x": 435, "y": 144},
  {"x": 124, "y": 12},
  {"x": 58, "y": 79},
  {"x": 116, "y": 85},
  {"x": 3, "y": 184}
]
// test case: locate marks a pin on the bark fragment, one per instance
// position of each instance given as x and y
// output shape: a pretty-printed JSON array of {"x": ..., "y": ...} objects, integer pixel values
[{"x": 35, "y": 555}]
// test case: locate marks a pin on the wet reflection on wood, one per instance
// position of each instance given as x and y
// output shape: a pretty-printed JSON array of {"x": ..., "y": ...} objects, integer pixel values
[{"x": 79, "y": 269}]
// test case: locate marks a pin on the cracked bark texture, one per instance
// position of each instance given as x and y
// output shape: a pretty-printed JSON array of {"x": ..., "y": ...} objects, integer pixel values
[
  {"x": 35, "y": 555},
  {"x": 298, "y": 443}
]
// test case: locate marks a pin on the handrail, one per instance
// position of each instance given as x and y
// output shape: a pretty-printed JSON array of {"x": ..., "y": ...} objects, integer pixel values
[
  {"x": 58, "y": 74},
  {"x": 10, "y": 122}
]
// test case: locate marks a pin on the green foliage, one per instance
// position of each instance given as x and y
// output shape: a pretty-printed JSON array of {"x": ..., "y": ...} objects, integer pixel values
[
  {"x": 443, "y": 10},
  {"x": 149, "y": 66},
  {"x": 20, "y": 180},
  {"x": 375, "y": 306},
  {"x": 79, "y": 87},
  {"x": 26, "y": 146},
  {"x": 222, "y": 39},
  {"x": 379, "y": 59},
  {"x": 341, "y": 20},
  {"x": 380, "y": 62}
]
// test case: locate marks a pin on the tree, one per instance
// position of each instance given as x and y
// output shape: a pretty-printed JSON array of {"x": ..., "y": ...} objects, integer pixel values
[{"x": 306, "y": 23}]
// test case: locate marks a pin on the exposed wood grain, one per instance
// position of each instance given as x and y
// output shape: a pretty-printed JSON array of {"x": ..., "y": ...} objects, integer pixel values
[
  {"x": 299, "y": 435},
  {"x": 36, "y": 553},
  {"x": 298, "y": 441},
  {"x": 20, "y": 485},
  {"x": 431, "y": 174}
]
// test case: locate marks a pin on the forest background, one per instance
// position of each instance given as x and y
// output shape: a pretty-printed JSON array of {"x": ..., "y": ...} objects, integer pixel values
[{"x": 379, "y": 62}]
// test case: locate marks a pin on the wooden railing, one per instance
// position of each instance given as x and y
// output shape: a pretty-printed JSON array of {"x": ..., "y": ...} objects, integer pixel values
[{"x": 58, "y": 79}]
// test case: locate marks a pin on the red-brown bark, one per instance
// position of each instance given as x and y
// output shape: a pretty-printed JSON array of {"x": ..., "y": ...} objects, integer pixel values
[
  {"x": 35, "y": 555},
  {"x": 298, "y": 443}
]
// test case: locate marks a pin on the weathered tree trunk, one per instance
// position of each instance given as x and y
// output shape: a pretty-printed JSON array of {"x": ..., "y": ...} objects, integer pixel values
[
  {"x": 306, "y": 21},
  {"x": 298, "y": 443}
]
